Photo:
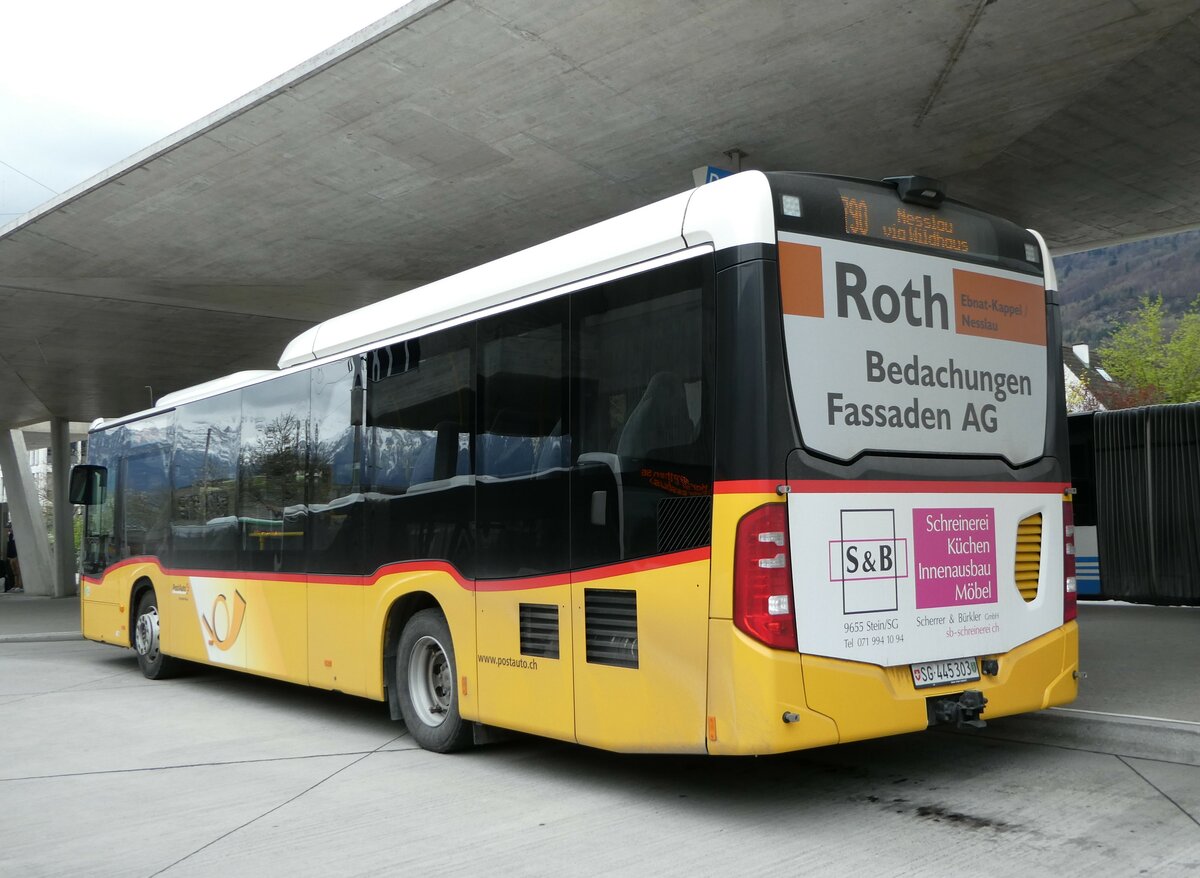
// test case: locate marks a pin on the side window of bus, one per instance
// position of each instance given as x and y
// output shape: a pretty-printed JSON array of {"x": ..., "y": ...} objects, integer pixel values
[
  {"x": 336, "y": 505},
  {"x": 420, "y": 415},
  {"x": 522, "y": 452},
  {"x": 145, "y": 486},
  {"x": 643, "y": 395},
  {"x": 272, "y": 515},
  {"x": 204, "y": 527}
]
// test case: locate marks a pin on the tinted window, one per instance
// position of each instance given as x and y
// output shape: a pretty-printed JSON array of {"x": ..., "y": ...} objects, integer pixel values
[
  {"x": 271, "y": 511},
  {"x": 100, "y": 543},
  {"x": 336, "y": 506},
  {"x": 145, "y": 487},
  {"x": 643, "y": 395},
  {"x": 204, "y": 527},
  {"x": 523, "y": 449},
  {"x": 420, "y": 417}
]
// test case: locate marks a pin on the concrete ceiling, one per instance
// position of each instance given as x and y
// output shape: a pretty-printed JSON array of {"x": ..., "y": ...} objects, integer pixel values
[{"x": 455, "y": 131}]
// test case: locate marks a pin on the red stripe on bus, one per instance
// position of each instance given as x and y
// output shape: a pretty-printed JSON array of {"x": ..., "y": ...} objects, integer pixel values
[
  {"x": 747, "y": 486},
  {"x": 128, "y": 562},
  {"x": 623, "y": 568},
  {"x": 849, "y": 486},
  {"x": 642, "y": 565},
  {"x": 834, "y": 486}
]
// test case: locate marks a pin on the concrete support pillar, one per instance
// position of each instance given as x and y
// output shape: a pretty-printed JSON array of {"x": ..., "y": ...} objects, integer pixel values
[
  {"x": 29, "y": 527},
  {"x": 65, "y": 562}
]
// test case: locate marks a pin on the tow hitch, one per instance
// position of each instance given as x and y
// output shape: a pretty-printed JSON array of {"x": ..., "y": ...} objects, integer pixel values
[{"x": 963, "y": 709}]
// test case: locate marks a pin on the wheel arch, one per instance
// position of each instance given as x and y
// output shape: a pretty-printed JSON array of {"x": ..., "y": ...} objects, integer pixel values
[
  {"x": 402, "y": 609},
  {"x": 140, "y": 586}
]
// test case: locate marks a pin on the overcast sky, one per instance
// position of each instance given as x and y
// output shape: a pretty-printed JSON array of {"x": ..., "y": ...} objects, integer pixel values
[{"x": 84, "y": 85}]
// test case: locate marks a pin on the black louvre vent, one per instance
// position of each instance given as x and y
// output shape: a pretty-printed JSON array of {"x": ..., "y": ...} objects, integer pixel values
[
  {"x": 539, "y": 630},
  {"x": 684, "y": 523},
  {"x": 610, "y": 618}
]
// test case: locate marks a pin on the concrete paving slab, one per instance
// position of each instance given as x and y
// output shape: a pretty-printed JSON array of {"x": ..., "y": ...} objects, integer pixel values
[
  {"x": 139, "y": 822},
  {"x": 25, "y": 617},
  {"x": 105, "y": 773},
  {"x": 125, "y": 718},
  {"x": 1179, "y": 784},
  {"x": 921, "y": 805},
  {"x": 35, "y": 669},
  {"x": 1140, "y": 661}
]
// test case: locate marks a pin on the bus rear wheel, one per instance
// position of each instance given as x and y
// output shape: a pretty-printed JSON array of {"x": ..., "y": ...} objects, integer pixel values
[
  {"x": 146, "y": 642},
  {"x": 425, "y": 681}
]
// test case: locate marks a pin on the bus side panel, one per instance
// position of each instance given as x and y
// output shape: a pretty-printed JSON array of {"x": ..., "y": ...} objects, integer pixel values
[
  {"x": 104, "y": 608},
  {"x": 104, "y": 621},
  {"x": 180, "y": 629},
  {"x": 337, "y": 651},
  {"x": 657, "y": 705},
  {"x": 751, "y": 688},
  {"x": 254, "y": 625},
  {"x": 525, "y": 678},
  {"x": 454, "y": 597}
]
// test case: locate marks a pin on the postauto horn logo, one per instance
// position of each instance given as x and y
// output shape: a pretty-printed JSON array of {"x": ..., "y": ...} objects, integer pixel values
[{"x": 221, "y": 619}]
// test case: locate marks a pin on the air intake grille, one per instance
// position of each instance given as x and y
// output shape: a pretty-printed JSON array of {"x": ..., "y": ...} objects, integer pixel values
[
  {"x": 684, "y": 523},
  {"x": 1029, "y": 555},
  {"x": 539, "y": 630},
  {"x": 610, "y": 619}
]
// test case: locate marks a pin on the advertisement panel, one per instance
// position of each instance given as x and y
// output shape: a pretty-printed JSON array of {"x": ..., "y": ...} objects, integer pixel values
[
  {"x": 891, "y": 350},
  {"x": 896, "y": 573}
]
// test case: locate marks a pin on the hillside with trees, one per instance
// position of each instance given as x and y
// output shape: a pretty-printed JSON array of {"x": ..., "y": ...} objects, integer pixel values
[{"x": 1100, "y": 288}]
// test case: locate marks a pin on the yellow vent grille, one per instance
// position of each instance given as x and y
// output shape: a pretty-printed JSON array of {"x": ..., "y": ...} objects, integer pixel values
[{"x": 1029, "y": 555}]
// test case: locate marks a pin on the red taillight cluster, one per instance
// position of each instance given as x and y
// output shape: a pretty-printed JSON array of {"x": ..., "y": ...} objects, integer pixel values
[
  {"x": 762, "y": 582},
  {"x": 1070, "y": 600}
]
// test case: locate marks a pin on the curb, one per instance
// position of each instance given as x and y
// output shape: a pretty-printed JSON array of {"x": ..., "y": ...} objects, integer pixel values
[{"x": 44, "y": 637}]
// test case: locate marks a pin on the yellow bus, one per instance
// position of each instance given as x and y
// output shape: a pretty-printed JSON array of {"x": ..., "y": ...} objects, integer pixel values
[{"x": 775, "y": 463}]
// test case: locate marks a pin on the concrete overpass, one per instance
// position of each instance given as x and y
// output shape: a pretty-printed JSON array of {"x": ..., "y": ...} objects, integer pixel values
[{"x": 454, "y": 131}]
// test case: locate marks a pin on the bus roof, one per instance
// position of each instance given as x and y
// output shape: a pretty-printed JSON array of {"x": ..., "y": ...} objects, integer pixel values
[
  {"x": 729, "y": 212},
  {"x": 696, "y": 217}
]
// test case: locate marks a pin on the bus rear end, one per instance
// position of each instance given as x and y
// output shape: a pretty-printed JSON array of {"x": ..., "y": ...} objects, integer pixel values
[{"x": 892, "y": 544}]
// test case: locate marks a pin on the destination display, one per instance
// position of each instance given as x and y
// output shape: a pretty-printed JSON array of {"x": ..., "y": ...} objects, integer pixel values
[{"x": 874, "y": 213}]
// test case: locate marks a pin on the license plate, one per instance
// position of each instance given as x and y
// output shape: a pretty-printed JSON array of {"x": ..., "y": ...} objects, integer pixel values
[{"x": 947, "y": 673}]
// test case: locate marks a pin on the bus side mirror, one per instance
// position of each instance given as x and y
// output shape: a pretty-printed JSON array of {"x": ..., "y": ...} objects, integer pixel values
[{"x": 88, "y": 483}]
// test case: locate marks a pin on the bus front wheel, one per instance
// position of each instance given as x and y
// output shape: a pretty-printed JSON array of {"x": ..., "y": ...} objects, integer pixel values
[
  {"x": 146, "y": 642},
  {"x": 425, "y": 682}
]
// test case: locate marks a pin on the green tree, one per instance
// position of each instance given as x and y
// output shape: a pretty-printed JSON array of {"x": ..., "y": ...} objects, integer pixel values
[{"x": 1151, "y": 362}]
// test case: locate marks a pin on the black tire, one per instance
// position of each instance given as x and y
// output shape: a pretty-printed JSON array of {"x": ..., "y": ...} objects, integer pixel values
[
  {"x": 154, "y": 665},
  {"x": 425, "y": 681}
]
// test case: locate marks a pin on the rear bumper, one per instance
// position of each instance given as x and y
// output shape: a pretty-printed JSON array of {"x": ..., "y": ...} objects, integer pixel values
[{"x": 830, "y": 701}]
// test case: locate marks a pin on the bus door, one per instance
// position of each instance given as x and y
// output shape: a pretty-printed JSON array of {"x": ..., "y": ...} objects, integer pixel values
[
  {"x": 259, "y": 616},
  {"x": 522, "y": 456},
  {"x": 641, "y": 508}
]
